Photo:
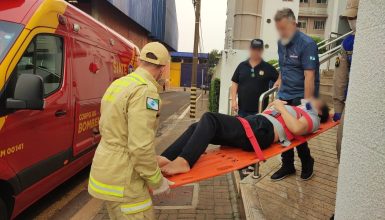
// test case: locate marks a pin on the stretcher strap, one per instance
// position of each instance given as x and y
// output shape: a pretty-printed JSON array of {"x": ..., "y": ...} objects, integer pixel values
[
  {"x": 306, "y": 115},
  {"x": 253, "y": 140}
]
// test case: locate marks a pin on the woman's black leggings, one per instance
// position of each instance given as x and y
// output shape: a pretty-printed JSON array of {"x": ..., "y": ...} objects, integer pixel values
[{"x": 219, "y": 129}]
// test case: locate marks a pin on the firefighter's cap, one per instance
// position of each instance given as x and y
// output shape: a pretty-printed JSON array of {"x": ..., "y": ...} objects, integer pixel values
[
  {"x": 155, "y": 53},
  {"x": 351, "y": 9}
]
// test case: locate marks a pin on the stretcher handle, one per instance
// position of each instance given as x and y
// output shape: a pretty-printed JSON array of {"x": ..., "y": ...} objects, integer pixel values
[{"x": 264, "y": 96}]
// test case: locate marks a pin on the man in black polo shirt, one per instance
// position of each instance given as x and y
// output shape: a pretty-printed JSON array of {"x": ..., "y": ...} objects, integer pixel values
[{"x": 251, "y": 78}]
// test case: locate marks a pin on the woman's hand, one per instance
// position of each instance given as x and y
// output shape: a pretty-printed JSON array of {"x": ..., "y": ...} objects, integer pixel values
[
  {"x": 234, "y": 106},
  {"x": 278, "y": 105}
]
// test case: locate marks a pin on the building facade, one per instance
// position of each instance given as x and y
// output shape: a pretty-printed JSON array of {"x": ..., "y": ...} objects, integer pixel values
[
  {"x": 181, "y": 69},
  {"x": 138, "y": 21},
  {"x": 312, "y": 18}
]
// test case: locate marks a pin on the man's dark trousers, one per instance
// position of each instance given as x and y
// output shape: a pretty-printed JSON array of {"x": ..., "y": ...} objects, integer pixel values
[{"x": 303, "y": 149}]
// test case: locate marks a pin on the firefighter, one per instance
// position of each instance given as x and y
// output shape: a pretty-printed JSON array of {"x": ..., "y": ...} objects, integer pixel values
[
  {"x": 343, "y": 63},
  {"x": 124, "y": 168}
]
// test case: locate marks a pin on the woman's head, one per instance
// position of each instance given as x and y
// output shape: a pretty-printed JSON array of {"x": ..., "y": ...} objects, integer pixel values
[{"x": 322, "y": 109}]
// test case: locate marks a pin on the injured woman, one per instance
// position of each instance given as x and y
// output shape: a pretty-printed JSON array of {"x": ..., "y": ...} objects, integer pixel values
[{"x": 278, "y": 123}]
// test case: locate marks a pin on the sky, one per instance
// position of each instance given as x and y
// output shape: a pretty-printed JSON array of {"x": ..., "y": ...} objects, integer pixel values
[{"x": 213, "y": 17}]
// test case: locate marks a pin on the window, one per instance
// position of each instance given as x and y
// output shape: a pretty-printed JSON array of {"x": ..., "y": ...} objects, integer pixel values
[
  {"x": 302, "y": 24},
  {"x": 303, "y": 1},
  {"x": 319, "y": 25},
  {"x": 322, "y": 1},
  {"x": 44, "y": 57},
  {"x": 8, "y": 34}
]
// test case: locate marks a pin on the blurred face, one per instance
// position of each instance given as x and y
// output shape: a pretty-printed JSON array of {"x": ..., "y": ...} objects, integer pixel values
[
  {"x": 352, "y": 23},
  {"x": 160, "y": 73},
  {"x": 256, "y": 53},
  {"x": 317, "y": 104},
  {"x": 286, "y": 29}
]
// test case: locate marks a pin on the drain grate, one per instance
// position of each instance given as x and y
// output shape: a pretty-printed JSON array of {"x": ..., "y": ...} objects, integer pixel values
[{"x": 184, "y": 197}]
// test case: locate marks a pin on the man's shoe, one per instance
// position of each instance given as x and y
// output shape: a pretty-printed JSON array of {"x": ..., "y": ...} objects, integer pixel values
[
  {"x": 282, "y": 173},
  {"x": 307, "y": 170}
]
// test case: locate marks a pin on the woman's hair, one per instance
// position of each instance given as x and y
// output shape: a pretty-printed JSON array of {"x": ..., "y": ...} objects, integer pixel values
[{"x": 324, "y": 114}]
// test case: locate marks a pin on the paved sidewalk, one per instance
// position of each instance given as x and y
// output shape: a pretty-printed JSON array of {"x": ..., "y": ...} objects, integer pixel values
[{"x": 216, "y": 197}]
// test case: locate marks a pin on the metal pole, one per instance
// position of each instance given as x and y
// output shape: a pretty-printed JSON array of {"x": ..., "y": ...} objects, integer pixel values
[
  {"x": 256, "y": 174},
  {"x": 193, "y": 96}
]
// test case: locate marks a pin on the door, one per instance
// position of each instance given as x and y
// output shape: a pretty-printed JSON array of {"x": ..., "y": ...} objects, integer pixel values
[{"x": 40, "y": 141}]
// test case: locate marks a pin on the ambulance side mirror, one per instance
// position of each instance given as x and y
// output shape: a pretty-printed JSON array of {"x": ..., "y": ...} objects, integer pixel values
[{"x": 28, "y": 93}]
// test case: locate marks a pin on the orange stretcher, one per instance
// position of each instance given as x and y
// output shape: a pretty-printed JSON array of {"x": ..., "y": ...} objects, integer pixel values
[{"x": 223, "y": 159}]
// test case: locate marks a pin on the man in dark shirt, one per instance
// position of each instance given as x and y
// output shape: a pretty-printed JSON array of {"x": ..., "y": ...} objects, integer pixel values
[
  {"x": 251, "y": 78},
  {"x": 298, "y": 79}
]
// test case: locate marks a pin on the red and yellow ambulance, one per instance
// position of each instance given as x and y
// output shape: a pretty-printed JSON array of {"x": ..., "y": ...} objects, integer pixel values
[{"x": 55, "y": 64}]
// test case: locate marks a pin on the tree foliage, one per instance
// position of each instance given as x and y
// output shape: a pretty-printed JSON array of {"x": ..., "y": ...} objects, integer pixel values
[
  {"x": 214, "y": 57},
  {"x": 214, "y": 95}
]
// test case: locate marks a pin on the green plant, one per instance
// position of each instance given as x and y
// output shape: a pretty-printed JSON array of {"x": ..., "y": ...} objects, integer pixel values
[
  {"x": 214, "y": 95},
  {"x": 214, "y": 57},
  {"x": 318, "y": 40}
]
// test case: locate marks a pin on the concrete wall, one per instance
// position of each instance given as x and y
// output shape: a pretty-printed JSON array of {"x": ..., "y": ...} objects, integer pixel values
[
  {"x": 361, "y": 182},
  {"x": 229, "y": 33},
  {"x": 334, "y": 23},
  {"x": 247, "y": 22},
  {"x": 228, "y": 64},
  {"x": 268, "y": 32}
]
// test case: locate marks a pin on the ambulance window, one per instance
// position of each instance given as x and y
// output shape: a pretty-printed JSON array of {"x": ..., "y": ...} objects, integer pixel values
[
  {"x": 44, "y": 57},
  {"x": 8, "y": 34}
]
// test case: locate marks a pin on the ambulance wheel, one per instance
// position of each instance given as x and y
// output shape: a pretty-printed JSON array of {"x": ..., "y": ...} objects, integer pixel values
[{"x": 3, "y": 210}]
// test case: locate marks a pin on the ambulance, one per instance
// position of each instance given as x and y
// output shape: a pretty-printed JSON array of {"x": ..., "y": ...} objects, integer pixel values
[{"x": 55, "y": 64}]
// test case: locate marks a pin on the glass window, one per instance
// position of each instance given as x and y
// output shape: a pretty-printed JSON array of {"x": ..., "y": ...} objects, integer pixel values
[
  {"x": 302, "y": 24},
  {"x": 319, "y": 25},
  {"x": 322, "y": 1},
  {"x": 44, "y": 57},
  {"x": 8, "y": 34},
  {"x": 303, "y": 1}
]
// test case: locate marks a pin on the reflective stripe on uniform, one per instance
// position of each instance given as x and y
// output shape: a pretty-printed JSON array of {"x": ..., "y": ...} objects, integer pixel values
[
  {"x": 139, "y": 78},
  {"x": 116, "y": 87},
  {"x": 106, "y": 189},
  {"x": 136, "y": 207},
  {"x": 155, "y": 179}
]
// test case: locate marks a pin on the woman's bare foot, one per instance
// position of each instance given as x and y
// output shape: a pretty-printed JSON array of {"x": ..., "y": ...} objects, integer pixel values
[
  {"x": 179, "y": 165},
  {"x": 162, "y": 161}
]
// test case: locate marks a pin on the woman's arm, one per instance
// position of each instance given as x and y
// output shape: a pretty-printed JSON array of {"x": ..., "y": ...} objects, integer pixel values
[{"x": 295, "y": 126}]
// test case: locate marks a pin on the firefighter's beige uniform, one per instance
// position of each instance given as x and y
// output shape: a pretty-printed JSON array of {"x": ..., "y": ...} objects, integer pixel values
[
  {"x": 341, "y": 76},
  {"x": 125, "y": 166},
  {"x": 341, "y": 80}
]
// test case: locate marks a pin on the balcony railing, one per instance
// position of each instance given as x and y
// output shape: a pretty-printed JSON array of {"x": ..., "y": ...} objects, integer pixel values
[{"x": 313, "y": 11}]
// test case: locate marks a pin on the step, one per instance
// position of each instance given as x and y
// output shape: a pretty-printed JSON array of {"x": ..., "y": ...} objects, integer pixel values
[
  {"x": 330, "y": 94},
  {"x": 326, "y": 88},
  {"x": 326, "y": 80},
  {"x": 327, "y": 73}
]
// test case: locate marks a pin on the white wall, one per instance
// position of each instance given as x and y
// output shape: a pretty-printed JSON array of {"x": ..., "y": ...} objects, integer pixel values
[
  {"x": 229, "y": 62},
  {"x": 268, "y": 32},
  {"x": 334, "y": 23},
  {"x": 361, "y": 180},
  {"x": 229, "y": 35}
]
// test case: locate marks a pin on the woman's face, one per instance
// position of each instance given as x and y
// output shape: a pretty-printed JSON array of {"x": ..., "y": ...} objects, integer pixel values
[{"x": 317, "y": 104}]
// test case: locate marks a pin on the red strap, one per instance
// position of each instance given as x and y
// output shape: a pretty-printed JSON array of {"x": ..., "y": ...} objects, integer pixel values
[
  {"x": 306, "y": 116},
  {"x": 250, "y": 135}
]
